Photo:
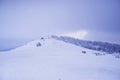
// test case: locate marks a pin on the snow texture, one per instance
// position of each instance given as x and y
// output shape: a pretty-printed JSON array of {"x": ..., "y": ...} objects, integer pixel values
[{"x": 57, "y": 60}]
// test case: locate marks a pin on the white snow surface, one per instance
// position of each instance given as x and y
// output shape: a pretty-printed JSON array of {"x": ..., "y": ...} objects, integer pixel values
[{"x": 56, "y": 60}]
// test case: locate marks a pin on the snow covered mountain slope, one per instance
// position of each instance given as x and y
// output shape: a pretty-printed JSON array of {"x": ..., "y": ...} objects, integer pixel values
[
  {"x": 108, "y": 48},
  {"x": 50, "y": 59}
]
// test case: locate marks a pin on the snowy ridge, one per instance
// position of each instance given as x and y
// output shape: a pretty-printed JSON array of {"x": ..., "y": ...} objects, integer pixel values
[
  {"x": 109, "y": 48},
  {"x": 56, "y": 60}
]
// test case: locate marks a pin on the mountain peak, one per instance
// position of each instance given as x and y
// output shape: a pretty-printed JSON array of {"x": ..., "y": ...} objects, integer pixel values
[{"x": 57, "y": 58}]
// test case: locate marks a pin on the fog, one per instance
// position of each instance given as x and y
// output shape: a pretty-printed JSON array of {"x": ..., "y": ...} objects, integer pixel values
[{"x": 22, "y": 21}]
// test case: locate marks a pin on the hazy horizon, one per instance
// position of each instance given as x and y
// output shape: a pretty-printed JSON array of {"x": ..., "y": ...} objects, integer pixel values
[{"x": 22, "y": 20}]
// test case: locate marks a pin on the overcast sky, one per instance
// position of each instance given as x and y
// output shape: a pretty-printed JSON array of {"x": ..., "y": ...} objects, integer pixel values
[{"x": 29, "y": 19}]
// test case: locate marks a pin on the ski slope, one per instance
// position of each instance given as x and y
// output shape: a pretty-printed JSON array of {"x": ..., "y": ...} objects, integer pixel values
[{"x": 56, "y": 60}]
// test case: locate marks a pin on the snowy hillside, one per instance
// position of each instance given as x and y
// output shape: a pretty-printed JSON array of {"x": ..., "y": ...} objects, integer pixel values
[
  {"x": 51, "y": 59},
  {"x": 108, "y": 48}
]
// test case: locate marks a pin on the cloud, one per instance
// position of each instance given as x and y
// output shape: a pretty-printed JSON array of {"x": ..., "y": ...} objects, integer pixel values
[{"x": 78, "y": 34}]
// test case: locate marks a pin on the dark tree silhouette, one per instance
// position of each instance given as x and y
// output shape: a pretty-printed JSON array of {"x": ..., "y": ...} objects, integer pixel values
[{"x": 38, "y": 44}]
